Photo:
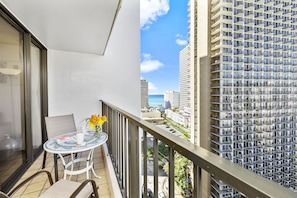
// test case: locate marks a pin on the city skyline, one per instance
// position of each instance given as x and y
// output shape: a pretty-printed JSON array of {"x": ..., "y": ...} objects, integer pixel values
[{"x": 164, "y": 33}]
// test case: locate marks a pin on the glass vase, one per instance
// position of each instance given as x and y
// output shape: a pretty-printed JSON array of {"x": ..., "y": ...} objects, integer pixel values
[{"x": 98, "y": 130}]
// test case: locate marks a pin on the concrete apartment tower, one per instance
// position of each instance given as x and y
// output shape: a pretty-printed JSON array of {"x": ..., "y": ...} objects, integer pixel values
[
  {"x": 184, "y": 78},
  {"x": 244, "y": 86},
  {"x": 144, "y": 93},
  {"x": 171, "y": 99}
]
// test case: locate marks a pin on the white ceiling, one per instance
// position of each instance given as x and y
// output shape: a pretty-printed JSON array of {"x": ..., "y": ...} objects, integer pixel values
[{"x": 70, "y": 25}]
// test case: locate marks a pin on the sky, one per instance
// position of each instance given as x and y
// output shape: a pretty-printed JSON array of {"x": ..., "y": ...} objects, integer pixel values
[{"x": 164, "y": 33}]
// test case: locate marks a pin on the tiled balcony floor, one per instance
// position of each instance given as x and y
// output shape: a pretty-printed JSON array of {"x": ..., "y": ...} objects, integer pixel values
[{"x": 40, "y": 183}]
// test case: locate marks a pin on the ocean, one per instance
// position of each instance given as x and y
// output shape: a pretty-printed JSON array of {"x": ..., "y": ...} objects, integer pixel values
[{"x": 156, "y": 100}]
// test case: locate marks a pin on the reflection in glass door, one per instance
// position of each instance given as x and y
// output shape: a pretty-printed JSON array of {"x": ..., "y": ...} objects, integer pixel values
[
  {"x": 35, "y": 96},
  {"x": 12, "y": 147}
]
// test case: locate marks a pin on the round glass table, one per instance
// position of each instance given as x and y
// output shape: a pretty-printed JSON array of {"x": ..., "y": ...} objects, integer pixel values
[{"x": 66, "y": 144}]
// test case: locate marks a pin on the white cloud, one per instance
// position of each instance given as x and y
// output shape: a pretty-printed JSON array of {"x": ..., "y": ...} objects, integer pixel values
[
  {"x": 181, "y": 40},
  {"x": 148, "y": 64},
  {"x": 151, "y": 86},
  {"x": 151, "y": 10}
]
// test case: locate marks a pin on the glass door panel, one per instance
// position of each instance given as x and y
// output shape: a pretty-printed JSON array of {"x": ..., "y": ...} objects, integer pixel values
[
  {"x": 12, "y": 146},
  {"x": 35, "y": 97}
]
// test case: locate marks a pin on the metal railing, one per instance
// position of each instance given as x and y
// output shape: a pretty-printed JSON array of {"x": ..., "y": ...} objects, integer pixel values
[{"x": 125, "y": 148}]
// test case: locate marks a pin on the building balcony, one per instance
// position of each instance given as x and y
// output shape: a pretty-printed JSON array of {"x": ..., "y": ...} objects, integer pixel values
[{"x": 126, "y": 170}]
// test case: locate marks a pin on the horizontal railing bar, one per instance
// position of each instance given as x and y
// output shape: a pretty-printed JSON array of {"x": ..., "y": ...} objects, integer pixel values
[{"x": 243, "y": 180}]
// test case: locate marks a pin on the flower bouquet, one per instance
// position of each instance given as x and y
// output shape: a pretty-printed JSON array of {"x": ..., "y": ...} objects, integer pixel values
[{"x": 96, "y": 122}]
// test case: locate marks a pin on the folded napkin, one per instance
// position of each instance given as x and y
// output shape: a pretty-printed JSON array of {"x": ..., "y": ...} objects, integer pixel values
[{"x": 64, "y": 138}]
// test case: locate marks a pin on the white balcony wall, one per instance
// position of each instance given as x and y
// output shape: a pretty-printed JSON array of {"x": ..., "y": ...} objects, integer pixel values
[{"x": 77, "y": 81}]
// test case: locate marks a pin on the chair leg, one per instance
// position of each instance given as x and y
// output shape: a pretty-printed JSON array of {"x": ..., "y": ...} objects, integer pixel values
[
  {"x": 56, "y": 167},
  {"x": 44, "y": 159}
]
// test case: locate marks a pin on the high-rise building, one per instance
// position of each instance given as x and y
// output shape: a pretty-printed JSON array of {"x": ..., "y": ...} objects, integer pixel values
[
  {"x": 144, "y": 93},
  {"x": 244, "y": 85},
  {"x": 184, "y": 78},
  {"x": 171, "y": 99}
]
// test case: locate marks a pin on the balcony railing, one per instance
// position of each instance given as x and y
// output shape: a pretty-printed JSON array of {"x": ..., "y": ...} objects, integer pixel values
[{"x": 125, "y": 148}]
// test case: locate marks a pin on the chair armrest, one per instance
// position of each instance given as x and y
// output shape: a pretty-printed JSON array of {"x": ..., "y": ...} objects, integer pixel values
[
  {"x": 82, "y": 185},
  {"x": 29, "y": 179},
  {"x": 3, "y": 195}
]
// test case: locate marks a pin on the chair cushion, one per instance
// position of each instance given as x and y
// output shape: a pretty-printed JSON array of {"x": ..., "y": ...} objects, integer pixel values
[{"x": 65, "y": 188}]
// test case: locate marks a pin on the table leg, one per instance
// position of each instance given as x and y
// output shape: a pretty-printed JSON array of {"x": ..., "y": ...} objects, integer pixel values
[
  {"x": 64, "y": 164},
  {"x": 93, "y": 171},
  {"x": 91, "y": 159},
  {"x": 89, "y": 165},
  {"x": 56, "y": 167},
  {"x": 72, "y": 164}
]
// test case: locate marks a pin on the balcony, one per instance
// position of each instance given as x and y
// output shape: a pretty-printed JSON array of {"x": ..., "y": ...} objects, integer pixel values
[
  {"x": 120, "y": 163},
  {"x": 95, "y": 39},
  {"x": 126, "y": 133}
]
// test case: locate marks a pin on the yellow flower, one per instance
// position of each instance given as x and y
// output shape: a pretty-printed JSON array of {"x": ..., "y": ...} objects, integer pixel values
[
  {"x": 102, "y": 119},
  {"x": 96, "y": 120}
]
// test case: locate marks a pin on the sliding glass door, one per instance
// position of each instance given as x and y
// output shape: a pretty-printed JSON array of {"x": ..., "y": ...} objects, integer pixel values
[
  {"x": 12, "y": 142},
  {"x": 23, "y": 101}
]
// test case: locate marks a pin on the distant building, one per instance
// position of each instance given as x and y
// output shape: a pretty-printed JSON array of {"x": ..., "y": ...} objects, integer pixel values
[
  {"x": 179, "y": 117},
  {"x": 144, "y": 93},
  {"x": 171, "y": 99},
  {"x": 184, "y": 78},
  {"x": 152, "y": 115}
]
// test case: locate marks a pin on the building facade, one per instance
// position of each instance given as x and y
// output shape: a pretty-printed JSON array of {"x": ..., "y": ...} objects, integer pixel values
[
  {"x": 243, "y": 82},
  {"x": 171, "y": 99},
  {"x": 184, "y": 78},
  {"x": 178, "y": 117},
  {"x": 144, "y": 93}
]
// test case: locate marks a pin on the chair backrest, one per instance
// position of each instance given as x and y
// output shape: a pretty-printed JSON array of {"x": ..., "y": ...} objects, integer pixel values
[{"x": 56, "y": 125}]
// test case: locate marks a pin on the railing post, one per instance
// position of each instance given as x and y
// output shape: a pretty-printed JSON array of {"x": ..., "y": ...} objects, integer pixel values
[
  {"x": 156, "y": 166},
  {"x": 145, "y": 160},
  {"x": 125, "y": 180},
  {"x": 133, "y": 152},
  {"x": 197, "y": 191},
  {"x": 171, "y": 172}
]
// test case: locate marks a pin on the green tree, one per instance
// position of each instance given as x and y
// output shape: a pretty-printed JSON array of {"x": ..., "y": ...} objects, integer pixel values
[
  {"x": 162, "y": 151},
  {"x": 150, "y": 152},
  {"x": 181, "y": 172},
  {"x": 181, "y": 129},
  {"x": 181, "y": 166}
]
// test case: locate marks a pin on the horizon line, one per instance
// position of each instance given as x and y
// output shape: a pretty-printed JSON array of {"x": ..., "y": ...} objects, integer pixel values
[{"x": 155, "y": 94}]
